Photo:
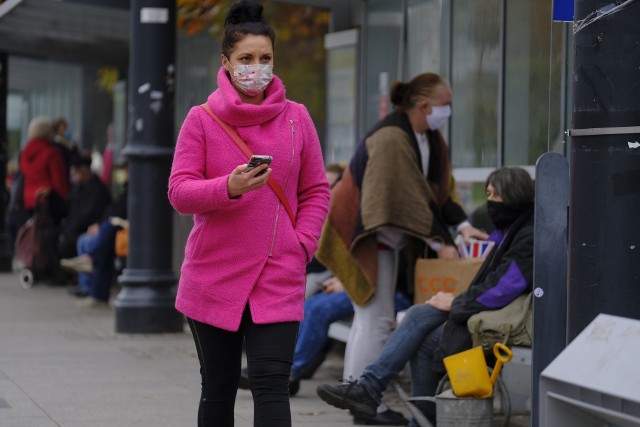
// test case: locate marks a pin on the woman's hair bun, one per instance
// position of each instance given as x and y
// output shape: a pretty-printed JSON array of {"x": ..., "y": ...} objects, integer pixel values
[
  {"x": 244, "y": 11},
  {"x": 398, "y": 92}
]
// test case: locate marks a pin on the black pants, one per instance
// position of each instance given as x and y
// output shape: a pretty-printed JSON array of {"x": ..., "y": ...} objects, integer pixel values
[{"x": 269, "y": 351}]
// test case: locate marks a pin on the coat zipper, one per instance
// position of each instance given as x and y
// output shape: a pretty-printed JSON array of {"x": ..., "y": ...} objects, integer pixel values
[{"x": 286, "y": 180}]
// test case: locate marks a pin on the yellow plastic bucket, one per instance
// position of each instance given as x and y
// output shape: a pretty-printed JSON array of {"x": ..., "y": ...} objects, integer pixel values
[{"x": 468, "y": 371}]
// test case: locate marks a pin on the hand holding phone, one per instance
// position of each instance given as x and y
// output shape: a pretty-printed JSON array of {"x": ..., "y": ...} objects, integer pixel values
[
  {"x": 241, "y": 181},
  {"x": 257, "y": 160}
]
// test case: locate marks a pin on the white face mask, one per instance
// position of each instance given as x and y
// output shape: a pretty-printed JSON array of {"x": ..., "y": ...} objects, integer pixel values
[
  {"x": 252, "y": 79},
  {"x": 439, "y": 116}
]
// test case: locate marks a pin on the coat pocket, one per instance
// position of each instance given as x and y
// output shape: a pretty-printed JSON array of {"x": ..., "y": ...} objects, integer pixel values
[{"x": 194, "y": 242}]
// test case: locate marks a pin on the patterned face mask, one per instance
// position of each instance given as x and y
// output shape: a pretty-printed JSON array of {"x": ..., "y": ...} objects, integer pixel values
[{"x": 252, "y": 79}]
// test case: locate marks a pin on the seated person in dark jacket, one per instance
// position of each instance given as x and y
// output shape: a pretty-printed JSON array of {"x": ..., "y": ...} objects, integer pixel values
[
  {"x": 438, "y": 328},
  {"x": 89, "y": 198},
  {"x": 87, "y": 201},
  {"x": 96, "y": 255},
  {"x": 95, "y": 263}
]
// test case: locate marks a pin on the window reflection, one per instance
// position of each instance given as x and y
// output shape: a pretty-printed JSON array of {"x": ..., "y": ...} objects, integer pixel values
[
  {"x": 506, "y": 61},
  {"x": 384, "y": 48},
  {"x": 532, "y": 81},
  {"x": 341, "y": 109},
  {"x": 476, "y": 60}
]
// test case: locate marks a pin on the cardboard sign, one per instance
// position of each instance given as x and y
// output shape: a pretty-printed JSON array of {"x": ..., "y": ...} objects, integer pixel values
[{"x": 447, "y": 275}]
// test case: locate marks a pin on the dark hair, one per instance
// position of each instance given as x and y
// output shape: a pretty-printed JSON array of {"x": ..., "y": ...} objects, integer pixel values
[
  {"x": 404, "y": 95},
  {"x": 59, "y": 122},
  {"x": 244, "y": 18},
  {"x": 80, "y": 160},
  {"x": 513, "y": 185}
]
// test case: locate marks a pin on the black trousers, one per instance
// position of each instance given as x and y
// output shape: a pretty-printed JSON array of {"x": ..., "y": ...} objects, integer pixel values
[{"x": 269, "y": 350}]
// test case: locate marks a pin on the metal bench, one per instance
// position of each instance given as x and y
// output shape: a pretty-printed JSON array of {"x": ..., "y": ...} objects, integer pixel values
[{"x": 339, "y": 330}]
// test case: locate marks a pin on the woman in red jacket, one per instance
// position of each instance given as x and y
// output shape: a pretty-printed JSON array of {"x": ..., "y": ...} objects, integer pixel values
[
  {"x": 42, "y": 165},
  {"x": 46, "y": 188}
]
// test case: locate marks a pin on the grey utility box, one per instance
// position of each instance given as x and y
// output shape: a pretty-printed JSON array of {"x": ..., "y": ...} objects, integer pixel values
[{"x": 595, "y": 381}]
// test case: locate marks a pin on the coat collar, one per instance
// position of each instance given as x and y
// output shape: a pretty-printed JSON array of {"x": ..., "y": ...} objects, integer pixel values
[{"x": 226, "y": 103}]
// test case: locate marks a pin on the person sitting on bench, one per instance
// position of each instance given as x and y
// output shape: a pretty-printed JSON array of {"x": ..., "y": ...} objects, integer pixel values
[
  {"x": 96, "y": 253},
  {"x": 438, "y": 328}
]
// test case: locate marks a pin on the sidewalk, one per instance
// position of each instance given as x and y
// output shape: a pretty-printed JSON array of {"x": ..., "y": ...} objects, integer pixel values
[{"x": 63, "y": 365}]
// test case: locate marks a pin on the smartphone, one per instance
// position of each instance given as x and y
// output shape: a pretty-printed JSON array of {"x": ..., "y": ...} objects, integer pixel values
[{"x": 257, "y": 160}]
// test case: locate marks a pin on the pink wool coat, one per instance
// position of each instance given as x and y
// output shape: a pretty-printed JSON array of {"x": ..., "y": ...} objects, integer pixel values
[{"x": 246, "y": 249}]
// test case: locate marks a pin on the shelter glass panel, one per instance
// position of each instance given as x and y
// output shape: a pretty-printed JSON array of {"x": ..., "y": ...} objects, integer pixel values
[
  {"x": 384, "y": 47},
  {"x": 475, "y": 79},
  {"x": 533, "y": 81},
  {"x": 423, "y": 37},
  {"x": 341, "y": 109}
]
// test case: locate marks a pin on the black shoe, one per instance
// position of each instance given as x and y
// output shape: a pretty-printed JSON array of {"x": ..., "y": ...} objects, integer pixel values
[
  {"x": 77, "y": 291},
  {"x": 57, "y": 278},
  {"x": 294, "y": 387},
  {"x": 244, "y": 379},
  {"x": 386, "y": 418},
  {"x": 350, "y": 396}
]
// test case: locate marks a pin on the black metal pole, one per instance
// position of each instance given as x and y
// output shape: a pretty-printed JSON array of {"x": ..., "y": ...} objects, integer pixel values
[
  {"x": 146, "y": 302},
  {"x": 604, "y": 216},
  {"x": 5, "y": 245}
]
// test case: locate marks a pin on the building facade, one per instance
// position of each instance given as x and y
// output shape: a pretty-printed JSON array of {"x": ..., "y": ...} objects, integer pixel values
[{"x": 507, "y": 63}]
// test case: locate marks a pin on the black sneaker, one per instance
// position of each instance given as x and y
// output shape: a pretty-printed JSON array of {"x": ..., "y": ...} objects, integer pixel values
[
  {"x": 386, "y": 418},
  {"x": 294, "y": 387},
  {"x": 350, "y": 396},
  {"x": 77, "y": 291}
]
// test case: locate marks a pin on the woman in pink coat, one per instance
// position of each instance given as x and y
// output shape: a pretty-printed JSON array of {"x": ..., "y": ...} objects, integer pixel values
[{"x": 243, "y": 275}]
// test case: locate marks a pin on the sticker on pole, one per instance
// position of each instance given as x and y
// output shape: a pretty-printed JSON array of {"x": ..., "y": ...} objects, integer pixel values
[{"x": 154, "y": 15}]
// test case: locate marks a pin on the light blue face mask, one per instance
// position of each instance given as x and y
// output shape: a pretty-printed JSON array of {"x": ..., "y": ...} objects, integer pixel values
[
  {"x": 252, "y": 79},
  {"x": 439, "y": 116}
]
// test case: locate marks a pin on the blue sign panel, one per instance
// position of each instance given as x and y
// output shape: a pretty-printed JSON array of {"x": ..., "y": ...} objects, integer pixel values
[{"x": 563, "y": 10}]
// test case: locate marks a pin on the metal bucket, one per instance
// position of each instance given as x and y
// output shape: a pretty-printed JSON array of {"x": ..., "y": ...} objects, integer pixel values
[
  {"x": 452, "y": 411},
  {"x": 468, "y": 373}
]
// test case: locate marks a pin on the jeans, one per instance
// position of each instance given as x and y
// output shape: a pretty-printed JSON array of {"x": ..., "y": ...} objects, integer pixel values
[
  {"x": 319, "y": 312},
  {"x": 415, "y": 340},
  {"x": 101, "y": 248},
  {"x": 269, "y": 351}
]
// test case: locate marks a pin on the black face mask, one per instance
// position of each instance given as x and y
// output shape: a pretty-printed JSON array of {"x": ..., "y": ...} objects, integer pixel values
[{"x": 503, "y": 215}]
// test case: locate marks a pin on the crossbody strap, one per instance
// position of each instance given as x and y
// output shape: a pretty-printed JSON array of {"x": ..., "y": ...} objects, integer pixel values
[{"x": 271, "y": 181}]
